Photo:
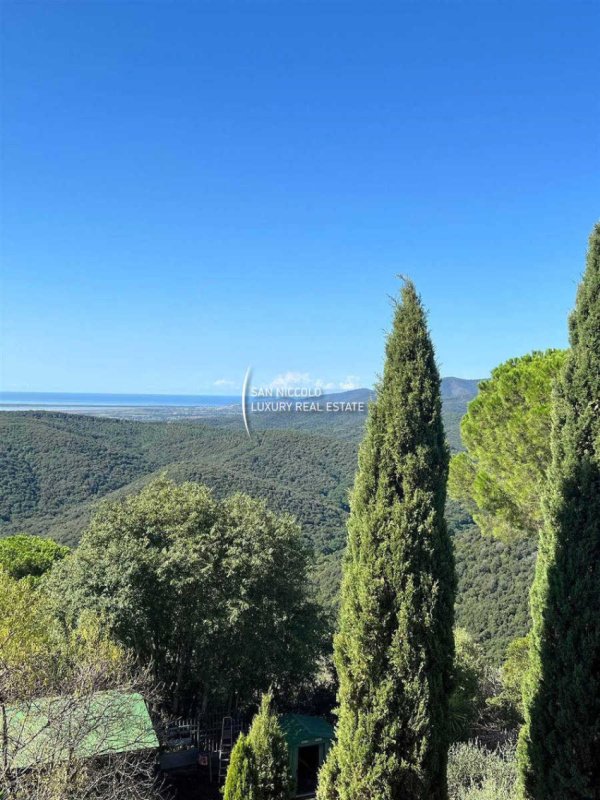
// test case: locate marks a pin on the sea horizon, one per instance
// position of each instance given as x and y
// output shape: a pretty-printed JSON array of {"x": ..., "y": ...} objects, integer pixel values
[{"x": 81, "y": 399}]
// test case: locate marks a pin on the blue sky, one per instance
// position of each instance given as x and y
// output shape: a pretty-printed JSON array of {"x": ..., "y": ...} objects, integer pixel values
[{"x": 192, "y": 188}]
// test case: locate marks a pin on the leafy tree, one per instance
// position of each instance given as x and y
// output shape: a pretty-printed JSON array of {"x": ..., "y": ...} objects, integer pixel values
[
  {"x": 212, "y": 594},
  {"x": 506, "y": 432},
  {"x": 24, "y": 555},
  {"x": 394, "y": 649},
  {"x": 559, "y": 745},
  {"x": 38, "y": 654},
  {"x": 241, "y": 782},
  {"x": 270, "y": 752}
]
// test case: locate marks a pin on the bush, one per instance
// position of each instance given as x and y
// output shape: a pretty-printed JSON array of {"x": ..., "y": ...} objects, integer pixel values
[
  {"x": 241, "y": 783},
  {"x": 328, "y": 777},
  {"x": 475, "y": 773},
  {"x": 259, "y": 766},
  {"x": 271, "y": 758}
]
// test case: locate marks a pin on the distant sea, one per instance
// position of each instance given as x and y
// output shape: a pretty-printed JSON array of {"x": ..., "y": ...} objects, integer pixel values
[{"x": 35, "y": 400}]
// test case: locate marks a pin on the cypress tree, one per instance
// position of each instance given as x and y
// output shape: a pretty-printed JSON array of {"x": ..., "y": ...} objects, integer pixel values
[
  {"x": 241, "y": 782},
  {"x": 394, "y": 648},
  {"x": 559, "y": 745},
  {"x": 270, "y": 752}
]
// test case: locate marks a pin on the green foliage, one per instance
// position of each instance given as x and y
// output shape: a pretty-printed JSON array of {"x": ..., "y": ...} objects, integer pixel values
[
  {"x": 559, "y": 745},
  {"x": 504, "y": 710},
  {"x": 24, "y": 555},
  {"x": 270, "y": 752},
  {"x": 494, "y": 579},
  {"x": 506, "y": 432},
  {"x": 212, "y": 594},
  {"x": 475, "y": 773},
  {"x": 329, "y": 775},
  {"x": 481, "y": 704},
  {"x": 394, "y": 648},
  {"x": 55, "y": 467},
  {"x": 259, "y": 767},
  {"x": 42, "y": 658},
  {"x": 513, "y": 672},
  {"x": 466, "y": 699},
  {"x": 38, "y": 655},
  {"x": 241, "y": 781},
  {"x": 26, "y": 634},
  {"x": 75, "y": 460}
]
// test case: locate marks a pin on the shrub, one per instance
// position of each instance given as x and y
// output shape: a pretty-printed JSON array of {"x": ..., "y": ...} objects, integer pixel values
[
  {"x": 269, "y": 747},
  {"x": 475, "y": 773},
  {"x": 241, "y": 775}
]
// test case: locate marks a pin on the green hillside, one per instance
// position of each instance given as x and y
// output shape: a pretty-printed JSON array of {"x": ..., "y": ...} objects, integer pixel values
[{"x": 55, "y": 467}]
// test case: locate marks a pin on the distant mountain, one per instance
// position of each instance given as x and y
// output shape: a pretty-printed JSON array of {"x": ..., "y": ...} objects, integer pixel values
[
  {"x": 351, "y": 396},
  {"x": 54, "y": 466},
  {"x": 451, "y": 388},
  {"x": 459, "y": 388}
]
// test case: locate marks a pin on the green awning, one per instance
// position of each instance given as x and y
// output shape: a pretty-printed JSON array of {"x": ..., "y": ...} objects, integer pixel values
[{"x": 57, "y": 729}]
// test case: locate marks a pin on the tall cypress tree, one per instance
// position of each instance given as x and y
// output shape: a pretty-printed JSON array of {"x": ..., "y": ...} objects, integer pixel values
[
  {"x": 559, "y": 745},
  {"x": 394, "y": 648}
]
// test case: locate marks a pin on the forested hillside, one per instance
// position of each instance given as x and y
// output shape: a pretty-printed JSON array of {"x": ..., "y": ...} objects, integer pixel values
[{"x": 55, "y": 467}]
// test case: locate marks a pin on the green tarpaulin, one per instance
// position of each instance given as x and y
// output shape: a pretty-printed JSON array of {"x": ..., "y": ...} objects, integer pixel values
[{"x": 57, "y": 729}]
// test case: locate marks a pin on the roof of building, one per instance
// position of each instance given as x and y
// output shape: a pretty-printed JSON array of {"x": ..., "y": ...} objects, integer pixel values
[
  {"x": 56, "y": 729},
  {"x": 300, "y": 729}
]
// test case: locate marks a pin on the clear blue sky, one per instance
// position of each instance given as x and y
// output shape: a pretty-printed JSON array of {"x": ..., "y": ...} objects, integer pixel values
[{"x": 190, "y": 188}]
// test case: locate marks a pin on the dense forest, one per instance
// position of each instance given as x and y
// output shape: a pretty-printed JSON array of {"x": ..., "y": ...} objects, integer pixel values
[{"x": 55, "y": 467}]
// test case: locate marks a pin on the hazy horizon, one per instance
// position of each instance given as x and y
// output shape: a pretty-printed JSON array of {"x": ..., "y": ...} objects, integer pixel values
[{"x": 136, "y": 398}]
